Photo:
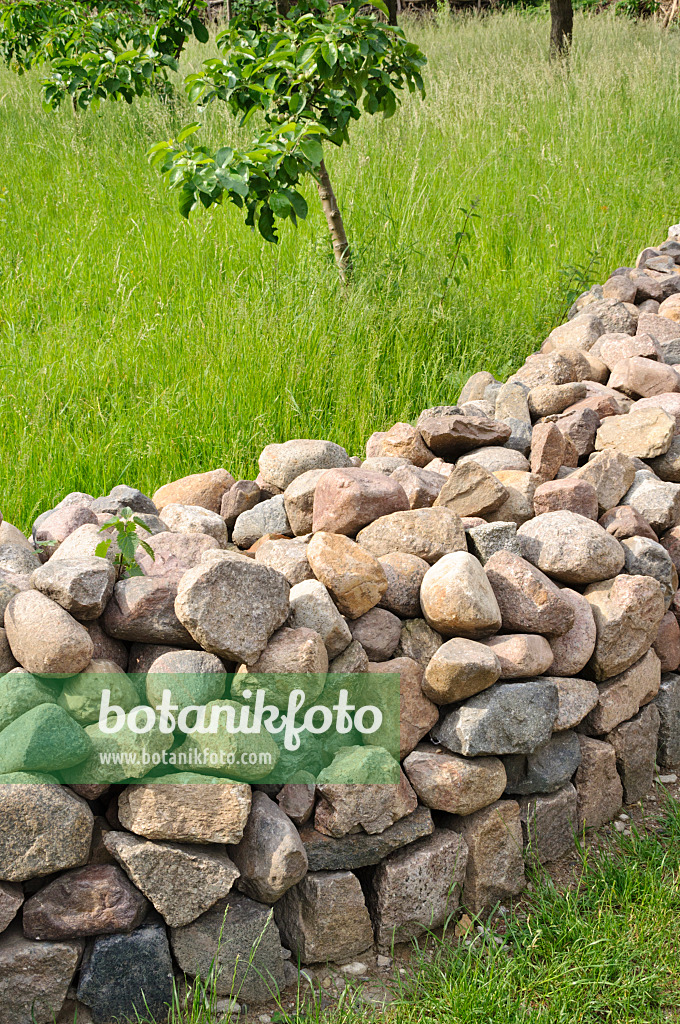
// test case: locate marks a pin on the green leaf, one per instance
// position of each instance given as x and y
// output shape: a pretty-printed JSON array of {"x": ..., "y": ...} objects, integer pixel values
[
  {"x": 102, "y": 548},
  {"x": 313, "y": 150},
  {"x": 190, "y": 129},
  {"x": 265, "y": 224},
  {"x": 280, "y": 204},
  {"x": 299, "y": 203},
  {"x": 200, "y": 30},
  {"x": 223, "y": 156},
  {"x": 187, "y": 201}
]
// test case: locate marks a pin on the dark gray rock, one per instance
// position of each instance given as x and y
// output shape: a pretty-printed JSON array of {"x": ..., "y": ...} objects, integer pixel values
[
  {"x": 358, "y": 850},
  {"x": 546, "y": 769},
  {"x": 125, "y": 975},
  {"x": 484, "y": 541},
  {"x": 668, "y": 704},
  {"x": 635, "y": 745},
  {"x": 508, "y": 718},
  {"x": 549, "y": 823},
  {"x": 238, "y": 940}
]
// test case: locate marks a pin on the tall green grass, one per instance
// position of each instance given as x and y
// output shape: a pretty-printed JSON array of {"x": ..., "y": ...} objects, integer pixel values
[{"x": 137, "y": 348}]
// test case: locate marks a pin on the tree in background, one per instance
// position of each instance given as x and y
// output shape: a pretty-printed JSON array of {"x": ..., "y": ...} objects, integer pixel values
[
  {"x": 561, "y": 27},
  {"x": 303, "y": 73}
]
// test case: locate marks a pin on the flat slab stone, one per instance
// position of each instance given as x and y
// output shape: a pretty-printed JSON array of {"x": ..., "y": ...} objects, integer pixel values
[{"x": 359, "y": 850}]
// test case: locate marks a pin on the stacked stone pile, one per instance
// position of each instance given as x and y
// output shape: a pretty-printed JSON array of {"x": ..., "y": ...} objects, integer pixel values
[{"x": 513, "y": 559}]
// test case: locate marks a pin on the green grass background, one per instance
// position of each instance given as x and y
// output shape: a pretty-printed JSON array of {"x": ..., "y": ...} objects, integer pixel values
[{"x": 136, "y": 347}]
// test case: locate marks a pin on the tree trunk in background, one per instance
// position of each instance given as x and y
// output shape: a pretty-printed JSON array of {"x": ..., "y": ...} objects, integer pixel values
[
  {"x": 329, "y": 204},
  {"x": 561, "y": 26},
  {"x": 392, "y": 8}
]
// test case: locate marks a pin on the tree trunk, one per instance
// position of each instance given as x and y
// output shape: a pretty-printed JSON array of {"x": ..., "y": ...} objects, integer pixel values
[
  {"x": 561, "y": 26},
  {"x": 392, "y": 8},
  {"x": 329, "y": 204}
]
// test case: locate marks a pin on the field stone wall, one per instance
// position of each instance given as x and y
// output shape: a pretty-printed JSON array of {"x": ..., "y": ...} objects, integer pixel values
[{"x": 513, "y": 558}]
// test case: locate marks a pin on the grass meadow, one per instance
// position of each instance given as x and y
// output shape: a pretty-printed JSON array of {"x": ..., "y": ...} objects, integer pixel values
[{"x": 137, "y": 347}]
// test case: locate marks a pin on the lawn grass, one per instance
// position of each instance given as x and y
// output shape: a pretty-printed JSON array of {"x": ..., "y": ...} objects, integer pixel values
[{"x": 137, "y": 348}]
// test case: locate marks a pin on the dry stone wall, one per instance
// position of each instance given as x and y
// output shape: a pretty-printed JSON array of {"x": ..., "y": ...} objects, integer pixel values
[{"x": 511, "y": 559}]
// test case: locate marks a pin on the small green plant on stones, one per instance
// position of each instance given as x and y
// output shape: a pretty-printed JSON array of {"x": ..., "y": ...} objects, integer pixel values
[{"x": 125, "y": 524}]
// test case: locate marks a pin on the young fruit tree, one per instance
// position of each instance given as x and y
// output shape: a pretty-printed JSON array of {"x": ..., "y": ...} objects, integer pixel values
[
  {"x": 302, "y": 74},
  {"x": 304, "y": 77}
]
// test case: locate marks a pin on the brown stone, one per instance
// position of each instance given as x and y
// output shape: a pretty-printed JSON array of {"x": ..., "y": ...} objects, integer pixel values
[
  {"x": 575, "y": 699},
  {"x": 280, "y": 464},
  {"x": 417, "y": 888},
  {"x": 659, "y": 327},
  {"x": 611, "y": 474},
  {"x": 95, "y": 900},
  {"x": 670, "y": 404},
  {"x": 11, "y": 898},
  {"x": 347, "y": 499},
  {"x": 378, "y": 631},
  {"x": 570, "y": 547},
  {"x": 449, "y": 436},
  {"x": 597, "y": 782},
  {"x": 296, "y": 799},
  {"x": 623, "y": 522},
  {"x": 546, "y": 368},
  {"x": 142, "y": 609},
  {"x": 573, "y": 650},
  {"x": 347, "y": 807},
  {"x": 289, "y": 557},
  {"x": 547, "y": 450},
  {"x": 644, "y": 378},
  {"x": 519, "y": 506},
  {"x": 405, "y": 575},
  {"x": 175, "y": 553},
  {"x": 613, "y": 348},
  {"x": 271, "y": 856},
  {"x": 471, "y": 490},
  {"x": 44, "y": 638},
  {"x": 550, "y": 399},
  {"x": 459, "y": 669},
  {"x": 635, "y": 745},
  {"x": 449, "y": 782},
  {"x": 406, "y": 442},
  {"x": 420, "y": 485},
  {"x": 627, "y": 612},
  {"x": 582, "y": 332},
  {"x": 549, "y": 823},
  {"x": 240, "y": 497},
  {"x": 43, "y": 829},
  {"x": 325, "y": 918},
  {"x": 298, "y": 500},
  {"x": 457, "y": 599},
  {"x": 568, "y": 494},
  {"x": 196, "y": 809},
  {"x": 62, "y": 523},
  {"x": 428, "y": 533},
  {"x": 495, "y": 867},
  {"x": 521, "y": 655},
  {"x": 622, "y": 696},
  {"x": 417, "y": 712},
  {"x": 204, "y": 489},
  {"x": 354, "y": 577},
  {"x": 642, "y": 433},
  {"x": 35, "y": 977},
  {"x": 667, "y": 643},
  {"x": 529, "y": 602}
]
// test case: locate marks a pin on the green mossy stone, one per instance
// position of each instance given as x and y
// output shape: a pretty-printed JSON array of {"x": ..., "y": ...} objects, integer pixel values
[
  {"x": 81, "y": 696},
  {"x": 19, "y": 693},
  {"x": 361, "y": 765},
  {"x": 44, "y": 739}
]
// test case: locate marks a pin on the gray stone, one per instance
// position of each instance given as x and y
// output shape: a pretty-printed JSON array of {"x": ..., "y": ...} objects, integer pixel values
[
  {"x": 34, "y": 977},
  {"x": 417, "y": 888},
  {"x": 126, "y": 975},
  {"x": 271, "y": 856},
  {"x": 266, "y": 517},
  {"x": 546, "y": 769},
  {"x": 11, "y": 898},
  {"x": 657, "y": 501},
  {"x": 192, "y": 677},
  {"x": 575, "y": 699},
  {"x": 428, "y": 533},
  {"x": 280, "y": 464},
  {"x": 43, "y": 829},
  {"x": 421, "y": 486},
  {"x": 627, "y": 611},
  {"x": 635, "y": 743},
  {"x": 508, "y": 718},
  {"x": 621, "y": 696},
  {"x": 573, "y": 650},
  {"x": 495, "y": 867},
  {"x": 570, "y": 547},
  {"x": 44, "y": 739},
  {"x": 237, "y": 944},
  {"x": 418, "y": 641},
  {"x": 324, "y": 917},
  {"x": 405, "y": 575},
  {"x": 359, "y": 849},
  {"x": 311, "y": 607},
  {"x": 372, "y": 805},
  {"x": 19, "y": 692},
  {"x": 378, "y": 631},
  {"x": 175, "y": 553},
  {"x": 182, "y": 882},
  {"x": 353, "y": 659},
  {"x": 496, "y": 459},
  {"x": 549, "y": 823},
  {"x": 644, "y": 557},
  {"x": 17, "y": 559},
  {"x": 232, "y": 607},
  {"x": 485, "y": 540},
  {"x": 668, "y": 705},
  {"x": 289, "y": 557},
  {"x": 195, "y": 519}
]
